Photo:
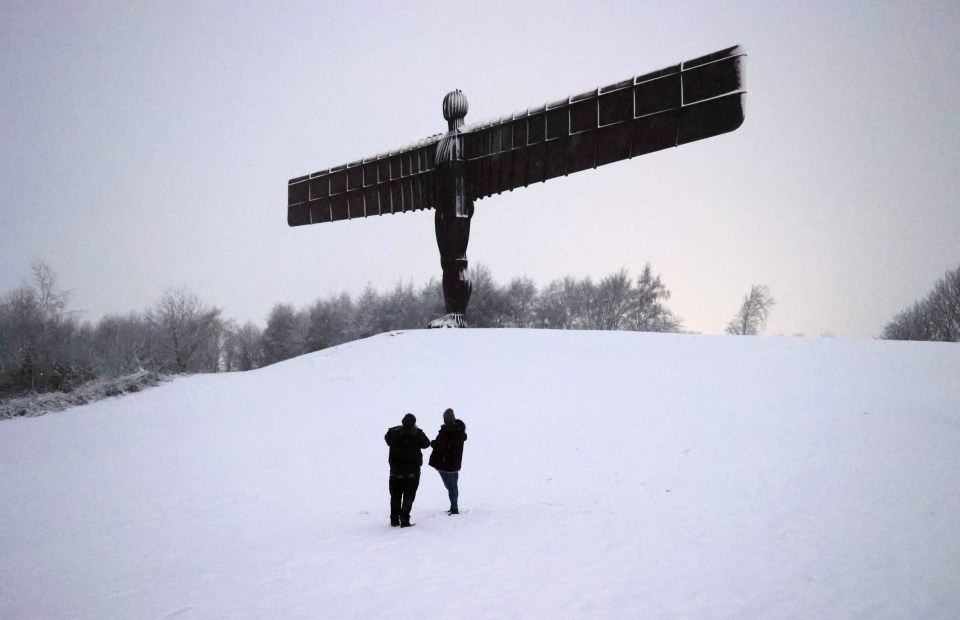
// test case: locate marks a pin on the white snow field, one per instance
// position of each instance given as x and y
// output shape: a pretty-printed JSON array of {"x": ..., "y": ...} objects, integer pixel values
[{"x": 606, "y": 475}]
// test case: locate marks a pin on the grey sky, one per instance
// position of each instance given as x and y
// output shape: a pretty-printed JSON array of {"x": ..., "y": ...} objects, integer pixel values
[{"x": 148, "y": 145}]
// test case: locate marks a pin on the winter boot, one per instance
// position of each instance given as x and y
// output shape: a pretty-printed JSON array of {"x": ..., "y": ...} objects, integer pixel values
[
  {"x": 453, "y": 511},
  {"x": 394, "y": 521}
]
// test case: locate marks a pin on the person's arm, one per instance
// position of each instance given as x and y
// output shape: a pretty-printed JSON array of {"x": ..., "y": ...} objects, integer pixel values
[
  {"x": 386, "y": 437},
  {"x": 424, "y": 440}
]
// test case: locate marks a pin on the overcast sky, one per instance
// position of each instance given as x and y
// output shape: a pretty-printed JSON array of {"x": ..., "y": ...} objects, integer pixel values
[{"x": 148, "y": 145}]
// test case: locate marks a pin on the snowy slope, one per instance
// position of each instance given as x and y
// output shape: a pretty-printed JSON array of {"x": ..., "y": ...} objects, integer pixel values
[{"x": 605, "y": 475}]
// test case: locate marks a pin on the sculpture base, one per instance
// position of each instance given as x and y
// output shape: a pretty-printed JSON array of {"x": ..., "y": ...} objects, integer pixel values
[{"x": 454, "y": 319}]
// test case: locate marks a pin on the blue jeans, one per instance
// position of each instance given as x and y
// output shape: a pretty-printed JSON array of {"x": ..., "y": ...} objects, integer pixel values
[{"x": 450, "y": 481}]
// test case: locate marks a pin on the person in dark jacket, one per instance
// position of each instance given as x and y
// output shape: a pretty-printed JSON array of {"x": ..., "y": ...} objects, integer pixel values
[
  {"x": 447, "y": 455},
  {"x": 405, "y": 441}
]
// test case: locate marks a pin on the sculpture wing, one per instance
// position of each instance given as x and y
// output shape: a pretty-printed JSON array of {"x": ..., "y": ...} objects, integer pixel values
[
  {"x": 696, "y": 99},
  {"x": 391, "y": 182}
]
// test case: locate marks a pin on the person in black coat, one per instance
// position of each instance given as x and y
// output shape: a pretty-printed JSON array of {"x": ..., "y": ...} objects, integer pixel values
[
  {"x": 405, "y": 441},
  {"x": 447, "y": 455}
]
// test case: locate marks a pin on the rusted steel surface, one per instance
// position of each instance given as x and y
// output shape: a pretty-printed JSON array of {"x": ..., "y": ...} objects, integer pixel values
[{"x": 696, "y": 99}]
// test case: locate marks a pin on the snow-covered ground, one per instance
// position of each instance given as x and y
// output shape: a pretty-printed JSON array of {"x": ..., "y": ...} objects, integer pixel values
[{"x": 606, "y": 475}]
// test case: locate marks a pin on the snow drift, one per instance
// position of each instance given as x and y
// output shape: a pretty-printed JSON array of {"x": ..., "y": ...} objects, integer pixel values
[{"x": 606, "y": 475}]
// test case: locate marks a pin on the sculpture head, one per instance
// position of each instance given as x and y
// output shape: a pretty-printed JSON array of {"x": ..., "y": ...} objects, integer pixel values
[{"x": 455, "y": 109}]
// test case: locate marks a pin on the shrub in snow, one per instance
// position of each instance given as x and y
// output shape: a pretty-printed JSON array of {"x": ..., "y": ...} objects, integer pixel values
[{"x": 39, "y": 404}]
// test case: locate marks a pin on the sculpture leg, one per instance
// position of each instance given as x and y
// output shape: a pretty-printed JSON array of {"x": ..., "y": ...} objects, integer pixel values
[{"x": 453, "y": 234}]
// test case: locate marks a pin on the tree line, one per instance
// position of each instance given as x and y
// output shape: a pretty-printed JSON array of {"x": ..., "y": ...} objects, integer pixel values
[
  {"x": 44, "y": 346},
  {"x": 615, "y": 302},
  {"x": 935, "y": 317}
]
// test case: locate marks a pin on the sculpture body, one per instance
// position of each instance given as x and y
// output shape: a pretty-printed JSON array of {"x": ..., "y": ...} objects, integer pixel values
[
  {"x": 696, "y": 99},
  {"x": 454, "y": 207}
]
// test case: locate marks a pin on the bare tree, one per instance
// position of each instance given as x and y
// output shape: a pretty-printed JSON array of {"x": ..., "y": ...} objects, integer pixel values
[
  {"x": 936, "y": 317},
  {"x": 557, "y": 304},
  {"x": 943, "y": 305},
  {"x": 52, "y": 300},
  {"x": 614, "y": 297},
  {"x": 520, "y": 296},
  {"x": 41, "y": 345},
  {"x": 51, "y": 305},
  {"x": 21, "y": 321},
  {"x": 752, "y": 317},
  {"x": 181, "y": 329},
  {"x": 244, "y": 347},
  {"x": 120, "y": 344},
  {"x": 910, "y": 324},
  {"x": 214, "y": 353},
  {"x": 588, "y": 311}
]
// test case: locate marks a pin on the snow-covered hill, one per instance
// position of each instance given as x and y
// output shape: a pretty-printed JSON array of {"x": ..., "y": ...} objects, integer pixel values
[{"x": 605, "y": 475}]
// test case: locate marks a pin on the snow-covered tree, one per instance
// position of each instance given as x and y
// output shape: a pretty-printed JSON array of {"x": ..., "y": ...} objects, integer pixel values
[
  {"x": 488, "y": 307},
  {"x": 648, "y": 313},
  {"x": 369, "y": 318},
  {"x": 329, "y": 322},
  {"x": 752, "y": 317},
  {"x": 282, "y": 337},
  {"x": 431, "y": 304},
  {"x": 121, "y": 344}
]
